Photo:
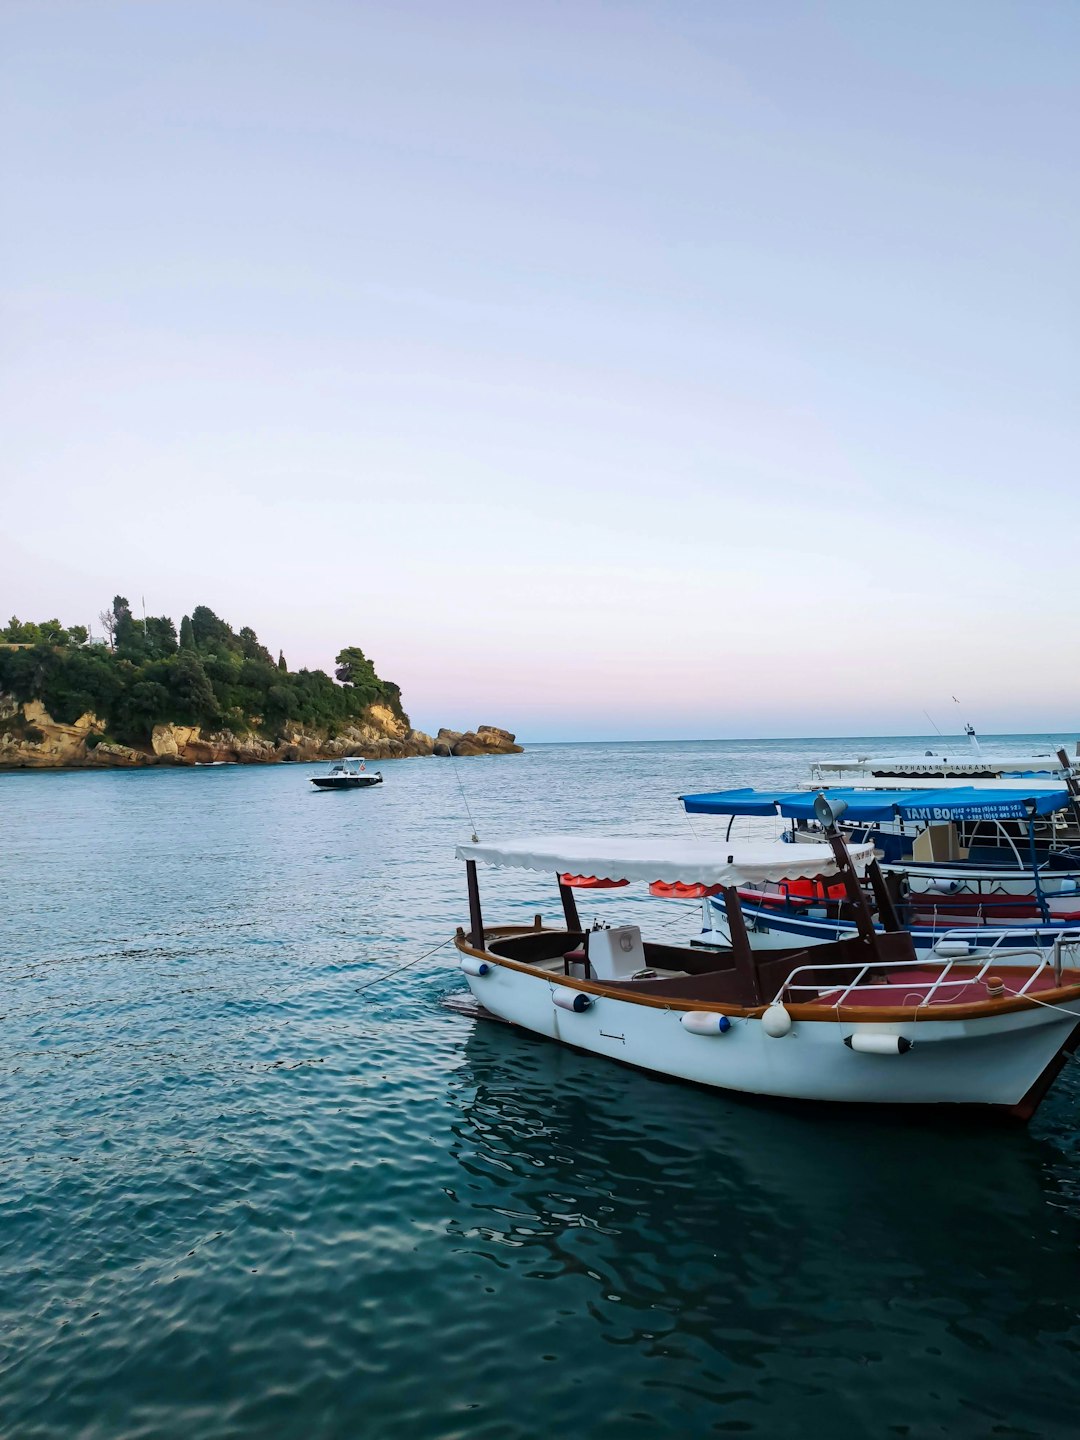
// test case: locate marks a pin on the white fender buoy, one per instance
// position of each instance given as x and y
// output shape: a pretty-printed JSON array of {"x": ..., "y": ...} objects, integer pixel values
[
  {"x": 575, "y": 1000},
  {"x": 868, "y": 1042},
  {"x": 776, "y": 1021},
  {"x": 472, "y": 966},
  {"x": 942, "y": 885},
  {"x": 952, "y": 949},
  {"x": 705, "y": 1022}
]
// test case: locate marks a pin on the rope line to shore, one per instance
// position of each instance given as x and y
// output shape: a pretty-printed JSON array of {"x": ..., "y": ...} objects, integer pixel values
[{"x": 408, "y": 965}]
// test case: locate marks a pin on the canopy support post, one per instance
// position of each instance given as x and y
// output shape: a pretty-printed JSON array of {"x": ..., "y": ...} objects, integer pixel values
[
  {"x": 569, "y": 906},
  {"x": 741, "y": 953},
  {"x": 476, "y": 919},
  {"x": 886, "y": 905},
  {"x": 864, "y": 921},
  {"x": 1071, "y": 784}
]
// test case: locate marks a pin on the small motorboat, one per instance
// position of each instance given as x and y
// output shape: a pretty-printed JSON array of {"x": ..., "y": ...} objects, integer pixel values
[{"x": 350, "y": 774}]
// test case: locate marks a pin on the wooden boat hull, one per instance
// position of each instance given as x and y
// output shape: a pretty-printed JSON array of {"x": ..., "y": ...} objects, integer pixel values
[{"x": 997, "y": 1059}]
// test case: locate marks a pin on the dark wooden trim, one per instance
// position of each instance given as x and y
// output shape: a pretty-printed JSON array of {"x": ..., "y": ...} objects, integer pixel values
[
  {"x": 886, "y": 906},
  {"x": 856, "y": 895},
  {"x": 476, "y": 919},
  {"x": 742, "y": 955},
  {"x": 569, "y": 906}
]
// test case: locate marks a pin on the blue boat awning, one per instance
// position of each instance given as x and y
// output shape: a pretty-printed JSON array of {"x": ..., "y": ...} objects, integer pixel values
[{"x": 964, "y": 802}]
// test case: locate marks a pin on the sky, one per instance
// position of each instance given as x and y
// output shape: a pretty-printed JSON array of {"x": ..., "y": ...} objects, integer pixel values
[{"x": 675, "y": 369}]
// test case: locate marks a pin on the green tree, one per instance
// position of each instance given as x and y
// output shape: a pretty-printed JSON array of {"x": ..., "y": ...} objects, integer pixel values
[
  {"x": 210, "y": 631},
  {"x": 141, "y": 706},
  {"x": 193, "y": 697},
  {"x": 130, "y": 634},
  {"x": 160, "y": 635},
  {"x": 29, "y": 632},
  {"x": 250, "y": 647},
  {"x": 187, "y": 634},
  {"x": 354, "y": 668}
]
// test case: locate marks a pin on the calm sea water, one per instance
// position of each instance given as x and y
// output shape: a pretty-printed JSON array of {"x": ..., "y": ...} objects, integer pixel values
[{"x": 243, "y": 1196}]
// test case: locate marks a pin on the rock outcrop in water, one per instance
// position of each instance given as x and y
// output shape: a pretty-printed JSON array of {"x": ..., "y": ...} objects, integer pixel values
[
  {"x": 484, "y": 740},
  {"x": 30, "y": 739}
]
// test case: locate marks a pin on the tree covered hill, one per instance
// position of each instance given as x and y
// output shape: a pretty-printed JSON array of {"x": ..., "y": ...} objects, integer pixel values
[{"x": 209, "y": 675}]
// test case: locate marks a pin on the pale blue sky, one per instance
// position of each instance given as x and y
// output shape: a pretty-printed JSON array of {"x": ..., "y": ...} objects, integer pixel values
[{"x": 605, "y": 370}]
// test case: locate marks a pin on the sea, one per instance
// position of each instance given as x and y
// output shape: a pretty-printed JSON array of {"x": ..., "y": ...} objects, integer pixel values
[{"x": 258, "y": 1179}]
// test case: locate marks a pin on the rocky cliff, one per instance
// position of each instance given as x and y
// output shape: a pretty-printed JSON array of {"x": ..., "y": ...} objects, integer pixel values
[{"x": 31, "y": 739}]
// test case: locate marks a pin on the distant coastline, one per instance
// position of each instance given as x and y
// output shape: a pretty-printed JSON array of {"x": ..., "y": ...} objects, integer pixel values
[{"x": 148, "y": 695}]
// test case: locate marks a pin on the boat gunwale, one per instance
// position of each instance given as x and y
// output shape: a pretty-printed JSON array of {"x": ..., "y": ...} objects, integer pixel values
[{"x": 798, "y": 1010}]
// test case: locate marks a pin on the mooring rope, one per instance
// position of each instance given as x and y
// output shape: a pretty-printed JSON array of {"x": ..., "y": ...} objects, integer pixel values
[
  {"x": 1027, "y": 995},
  {"x": 408, "y": 965},
  {"x": 461, "y": 787}
]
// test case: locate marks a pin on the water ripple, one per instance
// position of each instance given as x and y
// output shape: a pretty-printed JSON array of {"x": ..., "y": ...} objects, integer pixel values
[{"x": 242, "y": 1196}]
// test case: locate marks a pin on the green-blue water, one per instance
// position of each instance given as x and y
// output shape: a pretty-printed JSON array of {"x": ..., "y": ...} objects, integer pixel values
[{"x": 241, "y": 1197}]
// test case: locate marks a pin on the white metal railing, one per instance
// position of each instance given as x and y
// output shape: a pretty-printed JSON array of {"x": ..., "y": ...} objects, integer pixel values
[
  {"x": 965, "y": 933},
  {"x": 1044, "y": 956}
]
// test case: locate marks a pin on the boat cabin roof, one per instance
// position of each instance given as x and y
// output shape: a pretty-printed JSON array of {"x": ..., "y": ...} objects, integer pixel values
[
  {"x": 691, "y": 862},
  {"x": 956, "y": 803}
]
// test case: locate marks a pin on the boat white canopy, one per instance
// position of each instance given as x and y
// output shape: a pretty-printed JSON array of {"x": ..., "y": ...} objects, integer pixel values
[{"x": 690, "y": 862}]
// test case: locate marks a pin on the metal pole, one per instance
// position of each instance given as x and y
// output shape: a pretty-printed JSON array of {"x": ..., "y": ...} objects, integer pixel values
[{"x": 1044, "y": 909}]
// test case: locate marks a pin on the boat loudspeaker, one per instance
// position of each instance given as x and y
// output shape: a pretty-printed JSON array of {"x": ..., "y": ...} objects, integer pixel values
[{"x": 828, "y": 812}]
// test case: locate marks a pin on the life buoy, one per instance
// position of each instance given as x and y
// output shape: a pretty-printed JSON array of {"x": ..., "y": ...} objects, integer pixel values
[
  {"x": 590, "y": 882},
  {"x": 678, "y": 890},
  {"x": 813, "y": 890}
]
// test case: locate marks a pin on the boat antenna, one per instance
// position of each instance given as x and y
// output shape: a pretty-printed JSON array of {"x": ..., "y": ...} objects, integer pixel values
[
  {"x": 932, "y": 720},
  {"x": 465, "y": 798}
]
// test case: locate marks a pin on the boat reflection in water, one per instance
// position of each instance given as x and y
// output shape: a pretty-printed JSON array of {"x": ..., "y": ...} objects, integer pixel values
[{"x": 778, "y": 1273}]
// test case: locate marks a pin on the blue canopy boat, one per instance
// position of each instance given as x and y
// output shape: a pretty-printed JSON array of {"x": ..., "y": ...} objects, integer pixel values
[{"x": 1011, "y": 880}]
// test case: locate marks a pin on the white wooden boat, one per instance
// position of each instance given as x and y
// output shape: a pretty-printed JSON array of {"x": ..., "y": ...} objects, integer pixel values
[
  {"x": 862, "y": 1020},
  {"x": 957, "y": 764},
  {"x": 348, "y": 774}
]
